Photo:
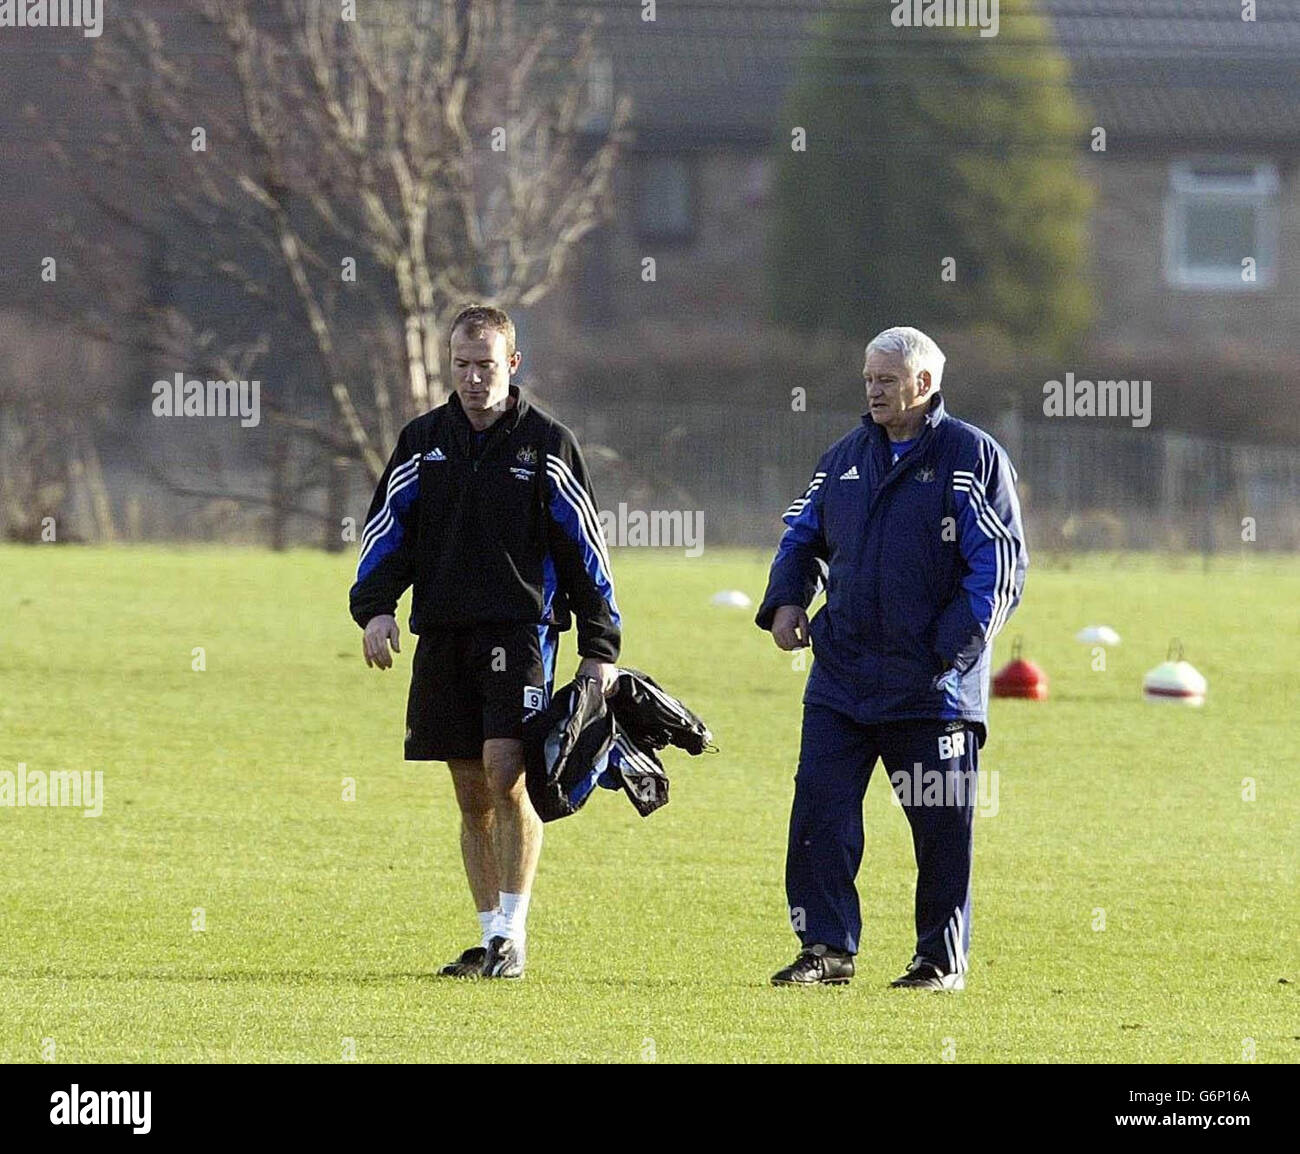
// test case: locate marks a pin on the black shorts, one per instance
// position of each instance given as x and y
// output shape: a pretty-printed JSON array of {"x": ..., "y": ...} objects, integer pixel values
[{"x": 469, "y": 685}]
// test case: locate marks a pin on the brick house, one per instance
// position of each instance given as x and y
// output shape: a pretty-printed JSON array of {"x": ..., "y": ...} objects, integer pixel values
[{"x": 1201, "y": 116}]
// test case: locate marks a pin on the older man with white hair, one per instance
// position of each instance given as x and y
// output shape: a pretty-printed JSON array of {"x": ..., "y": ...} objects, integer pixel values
[{"x": 912, "y": 526}]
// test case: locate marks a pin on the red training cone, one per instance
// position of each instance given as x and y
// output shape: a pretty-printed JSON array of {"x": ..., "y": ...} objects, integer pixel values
[{"x": 1020, "y": 678}]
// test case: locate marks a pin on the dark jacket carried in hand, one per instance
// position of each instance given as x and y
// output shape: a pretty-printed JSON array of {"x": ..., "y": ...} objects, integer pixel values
[
  {"x": 582, "y": 740},
  {"x": 506, "y": 532}
]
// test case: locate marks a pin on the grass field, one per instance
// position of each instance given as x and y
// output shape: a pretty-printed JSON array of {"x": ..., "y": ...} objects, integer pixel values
[{"x": 223, "y": 792}]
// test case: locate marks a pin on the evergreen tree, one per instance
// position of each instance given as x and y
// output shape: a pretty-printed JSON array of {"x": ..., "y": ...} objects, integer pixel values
[{"x": 932, "y": 149}]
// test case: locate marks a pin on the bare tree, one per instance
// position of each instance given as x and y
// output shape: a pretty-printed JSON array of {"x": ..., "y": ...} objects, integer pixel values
[
  {"x": 48, "y": 459},
  {"x": 341, "y": 185}
]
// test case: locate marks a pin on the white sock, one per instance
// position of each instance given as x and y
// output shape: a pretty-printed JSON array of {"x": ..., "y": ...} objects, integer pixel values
[
  {"x": 512, "y": 914},
  {"x": 487, "y": 920}
]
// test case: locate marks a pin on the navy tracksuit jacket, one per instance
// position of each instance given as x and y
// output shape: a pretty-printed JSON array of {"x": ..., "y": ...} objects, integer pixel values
[{"x": 922, "y": 562}]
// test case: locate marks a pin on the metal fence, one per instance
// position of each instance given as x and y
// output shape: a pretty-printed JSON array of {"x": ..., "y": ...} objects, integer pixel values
[{"x": 1082, "y": 485}]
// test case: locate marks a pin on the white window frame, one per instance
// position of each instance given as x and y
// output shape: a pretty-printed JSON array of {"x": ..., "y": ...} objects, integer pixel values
[
  {"x": 1243, "y": 181},
  {"x": 598, "y": 110}
]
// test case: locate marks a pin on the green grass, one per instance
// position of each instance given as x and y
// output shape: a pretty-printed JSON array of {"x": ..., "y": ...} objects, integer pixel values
[{"x": 325, "y": 918}]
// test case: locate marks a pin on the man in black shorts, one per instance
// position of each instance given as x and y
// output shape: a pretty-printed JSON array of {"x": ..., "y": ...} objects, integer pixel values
[{"x": 486, "y": 509}]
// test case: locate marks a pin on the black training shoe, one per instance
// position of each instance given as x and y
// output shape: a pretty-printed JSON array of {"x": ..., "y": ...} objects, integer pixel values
[
  {"x": 505, "y": 959},
  {"x": 816, "y": 965},
  {"x": 923, "y": 975},
  {"x": 468, "y": 965}
]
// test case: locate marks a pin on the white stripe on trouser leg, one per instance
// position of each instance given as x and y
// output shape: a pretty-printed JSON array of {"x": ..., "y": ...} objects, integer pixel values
[
  {"x": 958, "y": 952},
  {"x": 952, "y": 940},
  {"x": 635, "y": 757},
  {"x": 669, "y": 704}
]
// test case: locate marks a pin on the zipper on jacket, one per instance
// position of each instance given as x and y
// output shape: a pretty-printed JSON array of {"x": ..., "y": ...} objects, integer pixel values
[
  {"x": 891, "y": 476},
  {"x": 496, "y": 436}
]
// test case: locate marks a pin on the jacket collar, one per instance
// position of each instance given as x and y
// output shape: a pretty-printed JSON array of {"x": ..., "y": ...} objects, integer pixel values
[
  {"x": 934, "y": 414},
  {"x": 935, "y": 411},
  {"x": 508, "y": 420}
]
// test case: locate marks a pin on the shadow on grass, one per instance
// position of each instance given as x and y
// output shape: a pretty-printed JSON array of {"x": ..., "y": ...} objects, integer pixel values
[
  {"x": 292, "y": 977},
  {"x": 553, "y": 979}
]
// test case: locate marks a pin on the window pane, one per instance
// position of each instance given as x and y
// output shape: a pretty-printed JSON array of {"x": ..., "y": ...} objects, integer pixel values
[
  {"x": 1219, "y": 235},
  {"x": 595, "y": 282},
  {"x": 665, "y": 209}
]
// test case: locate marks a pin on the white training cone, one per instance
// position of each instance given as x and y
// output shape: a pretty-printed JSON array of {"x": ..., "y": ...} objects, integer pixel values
[
  {"x": 1097, "y": 635},
  {"x": 1175, "y": 681},
  {"x": 733, "y": 598}
]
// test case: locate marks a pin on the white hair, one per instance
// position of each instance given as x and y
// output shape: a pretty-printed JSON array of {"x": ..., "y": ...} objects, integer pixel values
[{"x": 917, "y": 350}]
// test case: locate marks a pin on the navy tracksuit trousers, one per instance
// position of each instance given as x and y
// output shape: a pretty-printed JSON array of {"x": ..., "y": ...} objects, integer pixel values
[{"x": 932, "y": 768}]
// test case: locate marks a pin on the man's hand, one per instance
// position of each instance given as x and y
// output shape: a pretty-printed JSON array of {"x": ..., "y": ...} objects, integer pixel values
[
  {"x": 946, "y": 682},
  {"x": 790, "y": 627},
  {"x": 374, "y": 642},
  {"x": 602, "y": 671}
]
